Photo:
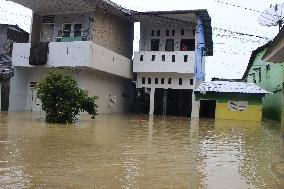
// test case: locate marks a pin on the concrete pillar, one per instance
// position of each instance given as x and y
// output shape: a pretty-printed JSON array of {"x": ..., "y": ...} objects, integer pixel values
[
  {"x": 195, "y": 107},
  {"x": 152, "y": 101}
]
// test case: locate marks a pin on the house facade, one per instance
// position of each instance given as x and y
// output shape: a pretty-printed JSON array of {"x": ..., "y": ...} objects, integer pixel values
[
  {"x": 171, "y": 60},
  {"x": 268, "y": 76},
  {"x": 9, "y": 34},
  {"x": 235, "y": 100},
  {"x": 90, "y": 40}
]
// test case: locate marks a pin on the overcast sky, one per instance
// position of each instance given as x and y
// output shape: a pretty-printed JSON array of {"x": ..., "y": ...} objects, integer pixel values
[{"x": 231, "y": 52}]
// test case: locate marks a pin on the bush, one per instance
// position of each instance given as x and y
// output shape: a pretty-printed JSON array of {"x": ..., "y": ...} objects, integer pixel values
[{"x": 62, "y": 99}]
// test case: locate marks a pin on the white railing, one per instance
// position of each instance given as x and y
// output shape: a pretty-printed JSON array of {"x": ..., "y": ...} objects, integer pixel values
[
  {"x": 77, "y": 54},
  {"x": 167, "y": 62}
]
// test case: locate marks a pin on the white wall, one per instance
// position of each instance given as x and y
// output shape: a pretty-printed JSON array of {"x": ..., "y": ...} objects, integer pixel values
[
  {"x": 167, "y": 66},
  {"x": 97, "y": 83},
  {"x": 186, "y": 78}
]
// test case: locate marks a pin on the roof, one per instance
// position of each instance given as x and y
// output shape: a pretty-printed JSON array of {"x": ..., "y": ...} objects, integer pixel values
[
  {"x": 253, "y": 56},
  {"x": 274, "y": 44},
  {"x": 13, "y": 27},
  {"x": 229, "y": 87},
  {"x": 202, "y": 13}
]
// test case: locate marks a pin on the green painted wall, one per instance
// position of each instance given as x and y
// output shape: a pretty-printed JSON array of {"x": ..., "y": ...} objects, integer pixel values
[
  {"x": 268, "y": 76},
  {"x": 223, "y": 98}
]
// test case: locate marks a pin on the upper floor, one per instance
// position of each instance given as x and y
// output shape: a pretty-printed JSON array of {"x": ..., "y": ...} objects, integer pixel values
[
  {"x": 77, "y": 33},
  {"x": 173, "y": 41}
]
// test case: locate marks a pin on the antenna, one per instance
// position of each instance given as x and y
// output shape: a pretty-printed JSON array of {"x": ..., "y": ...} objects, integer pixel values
[{"x": 273, "y": 16}]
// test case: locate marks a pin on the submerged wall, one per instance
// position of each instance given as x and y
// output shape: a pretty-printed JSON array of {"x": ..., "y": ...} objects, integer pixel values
[
  {"x": 253, "y": 112},
  {"x": 113, "y": 93}
]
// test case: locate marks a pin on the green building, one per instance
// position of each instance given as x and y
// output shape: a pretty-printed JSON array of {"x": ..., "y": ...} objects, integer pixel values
[{"x": 269, "y": 76}]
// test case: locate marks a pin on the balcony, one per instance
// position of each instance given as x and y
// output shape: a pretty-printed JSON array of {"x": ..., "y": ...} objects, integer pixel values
[
  {"x": 165, "y": 62},
  {"x": 79, "y": 54}
]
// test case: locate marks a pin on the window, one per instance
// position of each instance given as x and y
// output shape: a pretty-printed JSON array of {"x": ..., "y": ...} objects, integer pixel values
[
  {"x": 173, "y": 58},
  {"x": 67, "y": 30},
  {"x": 170, "y": 81},
  {"x": 185, "y": 58},
  {"x": 153, "y": 57},
  {"x": 163, "y": 58},
  {"x": 78, "y": 30},
  {"x": 182, "y": 32},
  {"x": 167, "y": 32},
  {"x": 173, "y": 32},
  {"x": 143, "y": 80},
  {"x": 180, "y": 81},
  {"x": 141, "y": 58},
  {"x": 158, "y": 32},
  {"x": 170, "y": 45},
  {"x": 162, "y": 81},
  {"x": 187, "y": 45},
  {"x": 191, "y": 81},
  {"x": 149, "y": 80},
  {"x": 153, "y": 33},
  {"x": 156, "y": 81},
  {"x": 155, "y": 45}
]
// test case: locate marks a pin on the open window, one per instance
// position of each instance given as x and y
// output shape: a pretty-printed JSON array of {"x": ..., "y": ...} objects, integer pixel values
[
  {"x": 78, "y": 30},
  {"x": 170, "y": 46},
  {"x": 67, "y": 28},
  {"x": 155, "y": 44},
  {"x": 187, "y": 45}
]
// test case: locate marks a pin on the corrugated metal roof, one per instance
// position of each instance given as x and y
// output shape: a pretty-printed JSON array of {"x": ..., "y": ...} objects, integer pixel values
[{"x": 230, "y": 87}]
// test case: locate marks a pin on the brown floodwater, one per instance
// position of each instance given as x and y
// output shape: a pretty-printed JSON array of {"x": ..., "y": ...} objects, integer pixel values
[{"x": 133, "y": 151}]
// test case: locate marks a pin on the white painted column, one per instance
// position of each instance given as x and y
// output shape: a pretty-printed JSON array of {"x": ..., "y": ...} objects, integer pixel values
[
  {"x": 195, "y": 107},
  {"x": 152, "y": 101}
]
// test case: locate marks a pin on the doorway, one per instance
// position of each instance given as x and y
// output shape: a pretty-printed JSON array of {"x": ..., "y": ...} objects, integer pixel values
[
  {"x": 155, "y": 45},
  {"x": 207, "y": 108},
  {"x": 170, "y": 46},
  {"x": 179, "y": 102},
  {"x": 142, "y": 101},
  {"x": 47, "y": 32}
]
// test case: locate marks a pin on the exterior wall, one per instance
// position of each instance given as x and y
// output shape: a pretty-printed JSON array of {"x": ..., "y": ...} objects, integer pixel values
[
  {"x": 253, "y": 112},
  {"x": 268, "y": 76},
  {"x": 174, "y": 83},
  {"x": 97, "y": 83},
  {"x": 114, "y": 33},
  {"x": 199, "y": 58}
]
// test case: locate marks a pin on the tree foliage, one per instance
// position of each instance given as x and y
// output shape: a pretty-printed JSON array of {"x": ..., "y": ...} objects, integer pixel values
[{"x": 62, "y": 99}]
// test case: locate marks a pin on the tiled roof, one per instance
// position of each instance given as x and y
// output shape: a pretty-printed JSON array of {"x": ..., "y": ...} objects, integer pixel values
[{"x": 229, "y": 87}]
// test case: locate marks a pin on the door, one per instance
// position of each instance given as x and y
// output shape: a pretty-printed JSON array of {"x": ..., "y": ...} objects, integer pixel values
[
  {"x": 35, "y": 102},
  {"x": 155, "y": 45},
  {"x": 170, "y": 46},
  {"x": 207, "y": 108},
  {"x": 47, "y": 32}
]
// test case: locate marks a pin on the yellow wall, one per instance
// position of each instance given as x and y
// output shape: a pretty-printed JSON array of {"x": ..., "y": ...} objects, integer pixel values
[{"x": 253, "y": 113}]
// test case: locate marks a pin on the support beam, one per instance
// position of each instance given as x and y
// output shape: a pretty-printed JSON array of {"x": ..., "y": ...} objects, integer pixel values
[
  {"x": 195, "y": 107},
  {"x": 152, "y": 101}
]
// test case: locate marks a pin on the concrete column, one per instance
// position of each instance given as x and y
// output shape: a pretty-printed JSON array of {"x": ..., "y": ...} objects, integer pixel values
[
  {"x": 195, "y": 107},
  {"x": 152, "y": 101}
]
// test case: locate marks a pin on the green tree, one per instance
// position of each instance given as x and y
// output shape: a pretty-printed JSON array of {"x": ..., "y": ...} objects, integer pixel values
[{"x": 62, "y": 99}]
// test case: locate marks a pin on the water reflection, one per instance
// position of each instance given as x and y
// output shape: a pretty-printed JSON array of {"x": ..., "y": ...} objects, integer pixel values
[{"x": 133, "y": 151}]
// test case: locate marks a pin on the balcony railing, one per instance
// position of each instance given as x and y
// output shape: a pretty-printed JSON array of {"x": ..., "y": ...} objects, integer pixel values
[
  {"x": 77, "y": 54},
  {"x": 167, "y": 62}
]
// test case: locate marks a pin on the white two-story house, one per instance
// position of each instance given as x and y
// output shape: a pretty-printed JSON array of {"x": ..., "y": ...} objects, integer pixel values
[
  {"x": 90, "y": 40},
  {"x": 170, "y": 63}
]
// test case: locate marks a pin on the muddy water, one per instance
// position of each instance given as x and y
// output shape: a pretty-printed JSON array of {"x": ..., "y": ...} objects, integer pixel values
[{"x": 130, "y": 151}]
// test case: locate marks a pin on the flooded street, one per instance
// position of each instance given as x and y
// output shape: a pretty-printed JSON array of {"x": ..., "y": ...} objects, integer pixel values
[{"x": 131, "y": 151}]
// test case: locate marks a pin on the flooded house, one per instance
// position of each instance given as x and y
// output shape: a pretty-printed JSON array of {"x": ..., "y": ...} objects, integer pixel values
[
  {"x": 230, "y": 99},
  {"x": 171, "y": 60},
  {"x": 9, "y": 34},
  {"x": 90, "y": 40},
  {"x": 265, "y": 69}
]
